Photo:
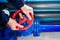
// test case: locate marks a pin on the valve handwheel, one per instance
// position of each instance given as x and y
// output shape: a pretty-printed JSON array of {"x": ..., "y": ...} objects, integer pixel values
[{"x": 30, "y": 22}]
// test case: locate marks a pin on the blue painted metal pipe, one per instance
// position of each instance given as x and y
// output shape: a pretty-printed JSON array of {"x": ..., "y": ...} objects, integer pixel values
[
  {"x": 48, "y": 28},
  {"x": 45, "y": 28}
]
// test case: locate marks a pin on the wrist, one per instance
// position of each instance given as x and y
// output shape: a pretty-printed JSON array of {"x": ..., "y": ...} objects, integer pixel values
[
  {"x": 9, "y": 22},
  {"x": 23, "y": 7}
]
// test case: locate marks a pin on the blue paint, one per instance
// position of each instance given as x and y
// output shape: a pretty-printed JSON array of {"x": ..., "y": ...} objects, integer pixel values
[{"x": 36, "y": 27}]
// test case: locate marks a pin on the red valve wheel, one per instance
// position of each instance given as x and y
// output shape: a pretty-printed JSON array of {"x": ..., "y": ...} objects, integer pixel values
[{"x": 24, "y": 20}]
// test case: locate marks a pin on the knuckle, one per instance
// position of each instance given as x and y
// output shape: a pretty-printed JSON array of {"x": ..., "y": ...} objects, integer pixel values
[{"x": 31, "y": 8}]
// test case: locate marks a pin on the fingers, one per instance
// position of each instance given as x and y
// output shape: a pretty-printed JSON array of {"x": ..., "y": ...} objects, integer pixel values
[
  {"x": 31, "y": 11},
  {"x": 20, "y": 15},
  {"x": 20, "y": 26},
  {"x": 12, "y": 23},
  {"x": 28, "y": 15},
  {"x": 14, "y": 27},
  {"x": 26, "y": 9}
]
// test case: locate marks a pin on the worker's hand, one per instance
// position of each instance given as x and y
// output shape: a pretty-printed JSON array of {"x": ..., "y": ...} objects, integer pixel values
[
  {"x": 12, "y": 23},
  {"x": 26, "y": 9}
]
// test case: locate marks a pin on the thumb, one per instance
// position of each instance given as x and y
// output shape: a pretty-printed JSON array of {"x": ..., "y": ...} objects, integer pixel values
[
  {"x": 28, "y": 16},
  {"x": 21, "y": 26},
  {"x": 20, "y": 15}
]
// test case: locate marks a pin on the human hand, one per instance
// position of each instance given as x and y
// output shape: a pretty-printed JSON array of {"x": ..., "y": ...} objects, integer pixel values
[
  {"x": 12, "y": 23},
  {"x": 26, "y": 9}
]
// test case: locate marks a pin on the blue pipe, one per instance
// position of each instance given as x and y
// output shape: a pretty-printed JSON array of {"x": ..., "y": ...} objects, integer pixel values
[
  {"x": 44, "y": 28},
  {"x": 50, "y": 28},
  {"x": 47, "y": 28}
]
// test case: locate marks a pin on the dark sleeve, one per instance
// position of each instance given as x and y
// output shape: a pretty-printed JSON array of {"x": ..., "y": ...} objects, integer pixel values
[
  {"x": 2, "y": 25},
  {"x": 5, "y": 17},
  {"x": 16, "y": 3}
]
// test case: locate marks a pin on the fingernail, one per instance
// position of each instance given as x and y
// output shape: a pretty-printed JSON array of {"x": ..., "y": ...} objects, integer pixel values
[{"x": 30, "y": 18}]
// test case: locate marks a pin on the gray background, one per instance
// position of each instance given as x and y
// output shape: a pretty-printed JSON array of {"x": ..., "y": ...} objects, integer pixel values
[{"x": 43, "y": 36}]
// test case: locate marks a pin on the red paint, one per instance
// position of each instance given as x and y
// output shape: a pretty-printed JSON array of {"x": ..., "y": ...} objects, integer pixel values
[{"x": 24, "y": 20}]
